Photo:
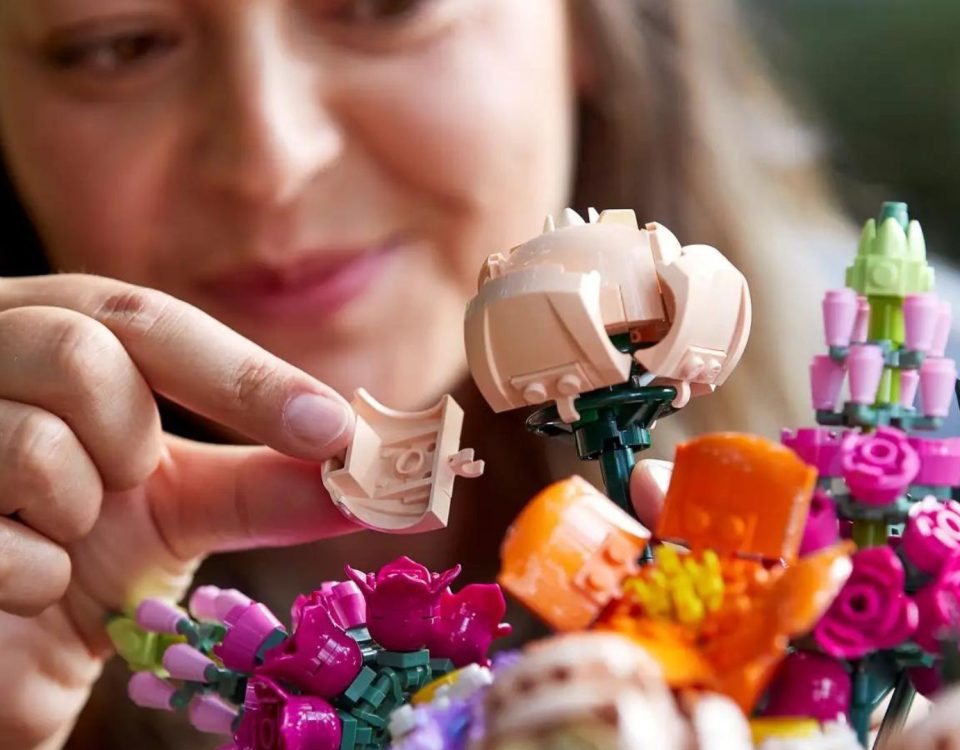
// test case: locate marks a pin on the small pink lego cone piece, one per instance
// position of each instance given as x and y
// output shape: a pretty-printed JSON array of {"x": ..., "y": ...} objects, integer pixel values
[
  {"x": 861, "y": 324},
  {"x": 909, "y": 382},
  {"x": 349, "y": 608},
  {"x": 941, "y": 332},
  {"x": 158, "y": 616},
  {"x": 229, "y": 600},
  {"x": 938, "y": 376},
  {"x": 149, "y": 691},
  {"x": 184, "y": 662},
  {"x": 865, "y": 363},
  {"x": 839, "y": 314},
  {"x": 920, "y": 312},
  {"x": 826, "y": 380},
  {"x": 203, "y": 603},
  {"x": 210, "y": 714}
]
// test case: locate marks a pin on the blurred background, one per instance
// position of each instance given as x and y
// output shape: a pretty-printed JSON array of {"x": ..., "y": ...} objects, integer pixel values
[{"x": 883, "y": 79}]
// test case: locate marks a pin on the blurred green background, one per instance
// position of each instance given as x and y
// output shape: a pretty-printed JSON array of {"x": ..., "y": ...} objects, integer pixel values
[{"x": 883, "y": 78}]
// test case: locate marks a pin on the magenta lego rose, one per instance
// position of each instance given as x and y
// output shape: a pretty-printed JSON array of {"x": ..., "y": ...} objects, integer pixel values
[
  {"x": 871, "y": 612},
  {"x": 939, "y": 607},
  {"x": 932, "y": 534},
  {"x": 878, "y": 467}
]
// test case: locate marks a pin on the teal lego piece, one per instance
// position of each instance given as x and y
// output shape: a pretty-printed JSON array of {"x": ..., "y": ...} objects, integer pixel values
[
  {"x": 441, "y": 667},
  {"x": 354, "y": 693},
  {"x": 404, "y": 660}
]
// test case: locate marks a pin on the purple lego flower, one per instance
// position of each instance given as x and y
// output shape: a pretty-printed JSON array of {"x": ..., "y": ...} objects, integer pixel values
[
  {"x": 822, "y": 528},
  {"x": 276, "y": 720},
  {"x": 319, "y": 658},
  {"x": 871, "y": 612},
  {"x": 939, "y": 607},
  {"x": 878, "y": 467},
  {"x": 932, "y": 534},
  {"x": 403, "y": 602}
]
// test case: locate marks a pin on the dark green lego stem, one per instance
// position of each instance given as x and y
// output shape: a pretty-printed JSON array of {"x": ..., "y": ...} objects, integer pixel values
[
  {"x": 899, "y": 709},
  {"x": 614, "y": 423}
]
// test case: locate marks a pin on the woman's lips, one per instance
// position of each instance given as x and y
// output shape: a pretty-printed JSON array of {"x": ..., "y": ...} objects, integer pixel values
[{"x": 316, "y": 287}]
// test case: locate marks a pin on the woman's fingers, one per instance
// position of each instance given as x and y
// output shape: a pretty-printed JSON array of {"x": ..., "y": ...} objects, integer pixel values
[
  {"x": 49, "y": 481},
  {"x": 34, "y": 571},
  {"x": 211, "y": 498},
  {"x": 73, "y": 367},
  {"x": 649, "y": 481},
  {"x": 187, "y": 356}
]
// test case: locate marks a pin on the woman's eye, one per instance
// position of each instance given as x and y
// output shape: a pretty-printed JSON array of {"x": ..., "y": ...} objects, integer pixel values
[
  {"x": 117, "y": 53},
  {"x": 374, "y": 11}
]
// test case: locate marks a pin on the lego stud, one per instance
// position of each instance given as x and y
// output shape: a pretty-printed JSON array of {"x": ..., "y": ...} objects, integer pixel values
[
  {"x": 861, "y": 323},
  {"x": 210, "y": 714},
  {"x": 909, "y": 382},
  {"x": 147, "y": 690},
  {"x": 937, "y": 379},
  {"x": 865, "y": 363},
  {"x": 942, "y": 331},
  {"x": 826, "y": 380},
  {"x": 920, "y": 314},
  {"x": 569, "y": 385},
  {"x": 535, "y": 393},
  {"x": 839, "y": 315}
]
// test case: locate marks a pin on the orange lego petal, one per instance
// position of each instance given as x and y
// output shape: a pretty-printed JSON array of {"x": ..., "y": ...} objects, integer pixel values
[
  {"x": 568, "y": 553},
  {"x": 738, "y": 495}
]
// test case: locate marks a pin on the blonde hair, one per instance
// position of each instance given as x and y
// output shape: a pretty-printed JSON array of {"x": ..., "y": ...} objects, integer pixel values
[{"x": 680, "y": 121}]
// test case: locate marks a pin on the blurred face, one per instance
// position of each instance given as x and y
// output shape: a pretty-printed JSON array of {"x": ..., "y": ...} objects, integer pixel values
[{"x": 325, "y": 176}]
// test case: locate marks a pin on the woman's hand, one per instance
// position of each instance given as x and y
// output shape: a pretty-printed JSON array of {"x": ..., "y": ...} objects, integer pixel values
[{"x": 98, "y": 507}]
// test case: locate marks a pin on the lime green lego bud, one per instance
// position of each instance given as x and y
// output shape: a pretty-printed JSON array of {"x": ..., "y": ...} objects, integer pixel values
[{"x": 892, "y": 257}]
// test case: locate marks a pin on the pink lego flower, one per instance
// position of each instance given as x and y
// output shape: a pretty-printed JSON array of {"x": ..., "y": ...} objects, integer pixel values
[
  {"x": 878, "y": 467},
  {"x": 932, "y": 534},
  {"x": 403, "y": 602},
  {"x": 939, "y": 607},
  {"x": 871, "y": 612}
]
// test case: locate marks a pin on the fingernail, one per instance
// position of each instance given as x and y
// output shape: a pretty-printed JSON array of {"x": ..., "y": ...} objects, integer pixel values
[{"x": 314, "y": 419}]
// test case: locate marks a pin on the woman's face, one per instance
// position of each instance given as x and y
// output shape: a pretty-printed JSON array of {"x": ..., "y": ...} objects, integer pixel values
[{"x": 325, "y": 176}]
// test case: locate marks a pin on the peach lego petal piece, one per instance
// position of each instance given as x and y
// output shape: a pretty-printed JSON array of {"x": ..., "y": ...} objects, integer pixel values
[
  {"x": 710, "y": 318},
  {"x": 400, "y": 468},
  {"x": 568, "y": 552}
]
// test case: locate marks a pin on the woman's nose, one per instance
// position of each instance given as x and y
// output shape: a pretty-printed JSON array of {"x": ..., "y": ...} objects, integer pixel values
[{"x": 267, "y": 129}]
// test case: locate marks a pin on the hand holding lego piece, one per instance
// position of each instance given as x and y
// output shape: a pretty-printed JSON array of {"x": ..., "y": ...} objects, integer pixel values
[{"x": 399, "y": 470}]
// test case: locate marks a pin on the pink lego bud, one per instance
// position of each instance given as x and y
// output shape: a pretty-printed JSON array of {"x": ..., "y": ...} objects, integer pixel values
[
  {"x": 861, "y": 324},
  {"x": 909, "y": 382},
  {"x": 839, "y": 314},
  {"x": 210, "y": 714},
  {"x": 149, "y": 691},
  {"x": 942, "y": 330},
  {"x": 251, "y": 627},
  {"x": 937, "y": 380},
  {"x": 158, "y": 616},
  {"x": 203, "y": 603},
  {"x": 826, "y": 380},
  {"x": 229, "y": 600},
  {"x": 920, "y": 313},
  {"x": 865, "y": 363},
  {"x": 349, "y": 608},
  {"x": 184, "y": 662}
]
